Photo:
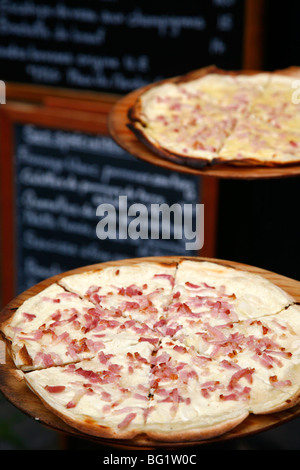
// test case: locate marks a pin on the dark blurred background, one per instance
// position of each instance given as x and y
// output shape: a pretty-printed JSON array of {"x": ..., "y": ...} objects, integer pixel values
[{"x": 259, "y": 219}]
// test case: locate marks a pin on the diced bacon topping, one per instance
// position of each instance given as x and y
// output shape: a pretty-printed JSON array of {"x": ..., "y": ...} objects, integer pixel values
[
  {"x": 92, "y": 290},
  {"x": 104, "y": 358},
  {"x": 208, "y": 387},
  {"x": 139, "y": 396},
  {"x": 29, "y": 316},
  {"x": 77, "y": 397},
  {"x": 192, "y": 286},
  {"x": 237, "y": 376},
  {"x": 136, "y": 356},
  {"x": 130, "y": 291},
  {"x": 126, "y": 421},
  {"x": 131, "y": 305},
  {"x": 243, "y": 394},
  {"x": 54, "y": 388},
  {"x": 279, "y": 383},
  {"x": 180, "y": 349},
  {"x": 153, "y": 341},
  {"x": 46, "y": 359},
  {"x": 105, "y": 396},
  {"x": 169, "y": 277}
]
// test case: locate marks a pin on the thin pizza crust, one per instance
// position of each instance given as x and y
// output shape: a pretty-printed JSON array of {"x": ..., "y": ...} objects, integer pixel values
[
  {"x": 212, "y": 116},
  {"x": 174, "y": 352}
]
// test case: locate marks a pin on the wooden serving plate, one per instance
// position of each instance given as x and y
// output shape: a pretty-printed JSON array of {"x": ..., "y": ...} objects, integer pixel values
[
  {"x": 125, "y": 138},
  {"x": 17, "y": 392}
]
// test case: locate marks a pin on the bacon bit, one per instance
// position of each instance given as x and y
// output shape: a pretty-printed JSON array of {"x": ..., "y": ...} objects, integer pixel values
[
  {"x": 71, "y": 404},
  {"x": 88, "y": 374},
  {"x": 247, "y": 373},
  {"x": 46, "y": 359},
  {"x": 293, "y": 143},
  {"x": 56, "y": 316},
  {"x": 153, "y": 341},
  {"x": 171, "y": 330},
  {"x": 279, "y": 383},
  {"x": 78, "y": 395},
  {"x": 105, "y": 396},
  {"x": 78, "y": 347},
  {"x": 127, "y": 420},
  {"x": 243, "y": 394},
  {"x": 180, "y": 349},
  {"x": 131, "y": 305},
  {"x": 138, "y": 396},
  {"x": 55, "y": 388},
  {"x": 103, "y": 358},
  {"x": 136, "y": 356},
  {"x": 192, "y": 286},
  {"x": 210, "y": 386},
  {"x": 117, "y": 272},
  {"x": 169, "y": 277},
  {"x": 130, "y": 291},
  {"x": 115, "y": 368},
  {"x": 229, "y": 365},
  {"x": 29, "y": 316},
  {"x": 106, "y": 408},
  {"x": 92, "y": 290}
]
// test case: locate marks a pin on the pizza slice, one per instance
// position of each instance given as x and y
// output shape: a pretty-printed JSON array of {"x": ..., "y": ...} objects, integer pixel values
[
  {"x": 275, "y": 106},
  {"x": 259, "y": 142},
  {"x": 187, "y": 392},
  {"x": 46, "y": 329},
  {"x": 106, "y": 396},
  {"x": 246, "y": 294},
  {"x": 192, "y": 133}
]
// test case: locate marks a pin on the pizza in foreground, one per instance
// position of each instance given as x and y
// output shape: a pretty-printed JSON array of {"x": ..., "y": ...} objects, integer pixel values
[
  {"x": 214, "y": 116},
  {"x": 175, "y": 352}
]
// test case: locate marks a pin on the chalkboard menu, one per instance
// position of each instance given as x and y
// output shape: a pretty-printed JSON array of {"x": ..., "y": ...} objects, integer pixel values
[
  {"x": 116, "y": 46},
  {"x": 61, "y": 178}
]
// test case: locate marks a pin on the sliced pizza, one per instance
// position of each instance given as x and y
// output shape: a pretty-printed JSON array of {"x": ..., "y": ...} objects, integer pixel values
[
  {"x": 105, "y": 396},
  {"x": 220, "y": 117},
  {"x": 260, "y": 142},
  {"x": 175, "y": 352}
]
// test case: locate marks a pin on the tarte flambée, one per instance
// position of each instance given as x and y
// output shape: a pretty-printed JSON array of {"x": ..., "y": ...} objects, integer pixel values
[
  {"x": 172, "y": 351},
  {"x": 213, "y": 116}
]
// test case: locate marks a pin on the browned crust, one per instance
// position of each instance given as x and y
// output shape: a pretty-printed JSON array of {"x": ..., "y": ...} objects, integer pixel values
[
  {"x": 137, "y": 124},
  {"x": 286, "y": 405},
  {"x": 24, "y": 356},
  {"x": 198, "y": 433},
  {"x": 4, "y": 325}
]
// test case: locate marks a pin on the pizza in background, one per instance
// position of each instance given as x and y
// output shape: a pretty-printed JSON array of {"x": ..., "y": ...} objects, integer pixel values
[{"x": 212, "y": 116}]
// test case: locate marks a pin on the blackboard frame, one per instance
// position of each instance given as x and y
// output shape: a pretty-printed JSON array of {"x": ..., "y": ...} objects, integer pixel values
[{"x": 69, "y": 119}]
